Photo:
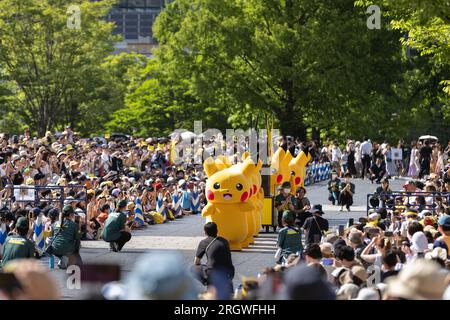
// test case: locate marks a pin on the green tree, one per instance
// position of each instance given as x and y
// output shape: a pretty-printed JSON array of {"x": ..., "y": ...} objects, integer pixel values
[
  {"x": 49, "y": 61},
  {"x": 309, "y": 63}
]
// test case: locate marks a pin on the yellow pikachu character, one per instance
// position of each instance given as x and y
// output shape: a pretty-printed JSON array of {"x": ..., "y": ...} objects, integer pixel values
[
  {"x": 279, "y": 168},
  {"x": 257, "y": 194},
  {"x": 297, "y": 167},
  {"x": 228, "y": 191}
]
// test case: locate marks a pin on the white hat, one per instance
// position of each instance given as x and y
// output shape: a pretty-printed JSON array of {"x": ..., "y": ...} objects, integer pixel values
[
  {"x": 368, "y": 294},
  {"x": 419, "y": 242},
  {"x": 421, "y": 279},
  {"x": 423, "y": 213},
  {"x": 373, "y": 216},
  {"x": 347, "y": 291},
  {"x": 437, "y": 253},
  {"x": 181, "y": 182}
]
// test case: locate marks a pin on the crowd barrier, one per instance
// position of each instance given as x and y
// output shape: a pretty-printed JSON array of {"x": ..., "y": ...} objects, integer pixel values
[
  {"x": 35, "y": 196},
  {"x": 317, "y": 172},
  {"x": 410, "y": 200}
]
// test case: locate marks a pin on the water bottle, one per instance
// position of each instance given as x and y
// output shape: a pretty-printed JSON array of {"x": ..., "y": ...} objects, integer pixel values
[{"x": 51, "y": 262}]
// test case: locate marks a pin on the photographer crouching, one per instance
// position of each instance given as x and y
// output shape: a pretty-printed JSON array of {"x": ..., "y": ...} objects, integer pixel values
[
  {"x": 66, "y": 242},
  {"x": 17, "y": 244}
]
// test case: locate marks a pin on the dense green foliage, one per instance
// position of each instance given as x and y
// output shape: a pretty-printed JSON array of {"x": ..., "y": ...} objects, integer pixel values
[{"x": 312, "y": 66}]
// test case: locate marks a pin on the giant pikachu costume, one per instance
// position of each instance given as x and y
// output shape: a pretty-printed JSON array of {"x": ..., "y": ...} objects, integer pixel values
[
  {"x": 279, "y": 168},
  {"x": 297, "y": 166},
  {"x": 228, "y": 192}
]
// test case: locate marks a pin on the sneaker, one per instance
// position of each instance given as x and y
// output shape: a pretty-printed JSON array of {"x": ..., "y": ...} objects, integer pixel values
[
  {"x": 113, "y": 246},
  {"x": 341, "y": 209}
]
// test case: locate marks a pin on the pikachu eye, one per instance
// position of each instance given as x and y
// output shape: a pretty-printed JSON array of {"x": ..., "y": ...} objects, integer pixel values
[
  {"x": 293, "y": 173},
  {"x": 274, "y": 170},
  {"x": 216, "y": 185},
  {"x": 239, "y": 186}
]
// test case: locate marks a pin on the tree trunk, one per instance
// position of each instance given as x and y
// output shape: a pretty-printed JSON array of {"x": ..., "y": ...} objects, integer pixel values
[
  {"x": 316, "y": 134},
  {"x": 43, "y": 121},
  {"x": 291, "y": 124}
]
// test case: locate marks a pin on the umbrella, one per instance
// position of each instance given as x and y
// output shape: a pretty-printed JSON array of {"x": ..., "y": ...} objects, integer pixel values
[{"x": 428, "y": 137}]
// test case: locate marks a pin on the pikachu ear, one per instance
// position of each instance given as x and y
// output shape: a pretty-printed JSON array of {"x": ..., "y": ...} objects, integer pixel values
[
  {"x": 245, "y": 155},
  {"x": 225, "y": 162},
  {"x": 248, "y": 167},
  {"x": 287, "y": 158},
  {"x": 259, "y": 165},
  {"x": 210, "y": 166}
]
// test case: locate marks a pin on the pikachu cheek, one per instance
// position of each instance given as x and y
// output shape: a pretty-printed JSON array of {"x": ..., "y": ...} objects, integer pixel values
[
  {"x": 244, "y": 196},
  {"x": 297, "y": 180},
  {"x": 279, "y": 178},
  {"x": 210, "y": 195}
]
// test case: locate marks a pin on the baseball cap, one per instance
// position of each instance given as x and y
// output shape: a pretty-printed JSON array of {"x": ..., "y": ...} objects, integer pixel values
[
  {"x": 122, "y": 203},
  {"x": 22, "y": 223},
  {"x": 444, "y": 221},
  {"x": 67, "y": 210}
]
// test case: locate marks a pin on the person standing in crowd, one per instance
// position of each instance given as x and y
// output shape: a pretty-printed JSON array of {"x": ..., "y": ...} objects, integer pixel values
[
  {"x": 440, "y": 163},
  {"x": 365, "y": 149},
  {"x": 315, "y": 226},
  {"x": 284, "y": 201},
  {"x": 444, "y": 240},
  {"x": 333, "y": 187},
  {"x": 377, "y": 170},
  {"x": 115, "y": 230},
  {"x": 324, "y": 153},
  {"x": 390, "y": 164},
  {"x": 66, "y": 239},
  {"x": 414, "y": 165},
  {"x": 17, "y": 245},
  {"x": 289, "y": 238},
  {"x": 336, "y": 156},
  {"x": 218, "y": 258},
  {"x": 351, "y": 158},
  {"x": 347, "y": 190},
  {"x": 425, "y": 153},
  {"x": 358, "y": 159},
  {"x": 302, "y": 208},
  {"x": 404, "y": 163}
]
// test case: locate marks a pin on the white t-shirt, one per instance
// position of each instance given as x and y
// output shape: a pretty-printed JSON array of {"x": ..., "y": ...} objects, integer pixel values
[
  {"x": 336, "y": 154},
  {"x": 366, "y": 148}
]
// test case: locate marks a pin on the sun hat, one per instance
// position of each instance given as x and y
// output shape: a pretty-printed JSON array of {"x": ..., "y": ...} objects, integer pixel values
[
  {"x": 347, "y": 291},
  {"x": 421, "y": 279}
]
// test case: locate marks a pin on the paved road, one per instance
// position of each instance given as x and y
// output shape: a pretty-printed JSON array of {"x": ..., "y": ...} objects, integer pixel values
[{"x": 182, "y": 236}]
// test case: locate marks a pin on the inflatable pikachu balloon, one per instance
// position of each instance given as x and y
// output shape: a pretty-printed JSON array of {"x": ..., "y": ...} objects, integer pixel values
[
  {"x": 279, "y": 168},
  {"x": 297, "y": 166},
  {"x": 228, "y": 193}
]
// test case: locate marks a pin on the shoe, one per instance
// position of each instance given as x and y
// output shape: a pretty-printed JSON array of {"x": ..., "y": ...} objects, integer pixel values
[
  {"x": 348, "y": 209},
  {"x": 113, "y": 246},
  {"x": 342, "y": 209}
]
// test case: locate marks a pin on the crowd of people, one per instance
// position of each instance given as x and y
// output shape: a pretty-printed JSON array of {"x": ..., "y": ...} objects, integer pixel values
[
  {"x": 101, "y": 189},
  {"x": 374, "y": 160}
]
